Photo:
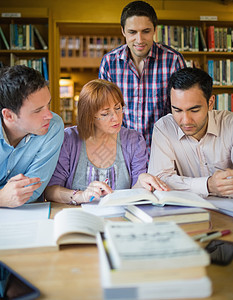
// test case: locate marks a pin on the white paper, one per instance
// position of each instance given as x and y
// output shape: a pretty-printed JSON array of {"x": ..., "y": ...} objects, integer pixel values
[{"x": 31, "y": 211}]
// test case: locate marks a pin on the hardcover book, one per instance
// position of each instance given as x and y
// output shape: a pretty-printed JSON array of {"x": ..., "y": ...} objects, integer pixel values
[
  {"x": 149, "y": 213},
  {"x": 161, "y": 245}
]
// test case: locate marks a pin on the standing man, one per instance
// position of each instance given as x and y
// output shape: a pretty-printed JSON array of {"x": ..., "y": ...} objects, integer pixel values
[
  {"x": 192, "y": 148},
  {"x": 141, "y": 69},
  {"x": 30, "y": 136}
]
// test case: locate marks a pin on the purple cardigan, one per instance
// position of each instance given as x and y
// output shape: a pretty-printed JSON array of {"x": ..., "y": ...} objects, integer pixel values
[{"x": 133, "y": 148}]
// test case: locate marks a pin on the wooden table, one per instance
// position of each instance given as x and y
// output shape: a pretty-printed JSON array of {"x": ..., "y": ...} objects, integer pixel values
[{"x": 73, "y": 272}]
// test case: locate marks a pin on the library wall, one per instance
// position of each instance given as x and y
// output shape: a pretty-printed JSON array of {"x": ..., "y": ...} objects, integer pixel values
[
  {"x": 92, "y": 10},
  {"x": 103, "y": 13}
]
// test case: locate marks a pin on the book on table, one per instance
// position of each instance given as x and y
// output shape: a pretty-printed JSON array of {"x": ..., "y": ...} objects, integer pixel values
[
  {"x": 152, "y": 245},
  {"x": 149, "y": 213},
  {"x": 192, "y": 219},
  {"x": 69, "y": 226},
  {"x": 157, "y": 261},
  {"x": 141, "y": 195}
]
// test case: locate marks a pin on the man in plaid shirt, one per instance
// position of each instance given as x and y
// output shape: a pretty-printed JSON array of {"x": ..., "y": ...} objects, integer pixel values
[{"x": 141, "y": 68}]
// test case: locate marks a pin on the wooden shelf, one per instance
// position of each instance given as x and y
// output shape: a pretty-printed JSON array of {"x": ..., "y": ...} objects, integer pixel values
[{"x": 19, "y": 26}]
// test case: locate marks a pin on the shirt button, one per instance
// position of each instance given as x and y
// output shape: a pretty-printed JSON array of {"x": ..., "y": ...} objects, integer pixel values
[{"x": 8, "y": 172}]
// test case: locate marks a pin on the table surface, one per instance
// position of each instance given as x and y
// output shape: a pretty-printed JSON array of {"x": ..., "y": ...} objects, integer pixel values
[{"x": 73, "y": 271}]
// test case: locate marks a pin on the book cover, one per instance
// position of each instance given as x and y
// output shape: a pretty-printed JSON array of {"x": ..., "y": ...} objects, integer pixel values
[
  {"x": 149, "y": 213},
  {"x": 159, "y": 245},
  {"x": 171, "y": 289}
]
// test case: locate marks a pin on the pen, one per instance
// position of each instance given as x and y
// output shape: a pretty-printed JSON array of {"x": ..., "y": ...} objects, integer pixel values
[
  {"x": 215, "y": 235},
  {"x": 229, "y": 177},
  {"x": 202, "y": 235},
  {"x": 92, "y": 197}
]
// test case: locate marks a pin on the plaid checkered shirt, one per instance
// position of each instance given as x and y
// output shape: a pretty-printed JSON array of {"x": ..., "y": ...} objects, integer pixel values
[{"x": 145, "y": 95}]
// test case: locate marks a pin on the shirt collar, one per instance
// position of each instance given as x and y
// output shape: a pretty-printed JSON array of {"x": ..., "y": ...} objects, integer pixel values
[
  {"x": 4, "y": 136},
  {"x": 212, "y": 127}
]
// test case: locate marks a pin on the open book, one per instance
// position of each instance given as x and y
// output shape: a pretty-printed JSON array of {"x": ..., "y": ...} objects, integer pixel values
[
  {"x": 140, "y": 195},
  {"x": 70, "y": 226}
]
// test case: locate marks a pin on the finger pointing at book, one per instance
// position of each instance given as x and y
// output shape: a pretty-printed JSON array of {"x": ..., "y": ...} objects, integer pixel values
[{"x": 150, "y": 183}]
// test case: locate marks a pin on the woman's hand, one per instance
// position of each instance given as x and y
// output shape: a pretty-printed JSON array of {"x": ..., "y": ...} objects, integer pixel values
[
  {"x": 95, "y": 189},
  {"x": 150, "y": 183}
]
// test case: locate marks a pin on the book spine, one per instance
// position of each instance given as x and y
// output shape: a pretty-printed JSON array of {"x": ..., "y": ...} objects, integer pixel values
[
  {"x": 42, "y": 42},
  {"x": 202, "y": 40},
  {"x": 27, "y": 37},
  {"x": 45, "y": 69},
  {"x": 4, "y": 39},
  {"x": 32, "y": 42},
  {"x": 211, "y": 42}
]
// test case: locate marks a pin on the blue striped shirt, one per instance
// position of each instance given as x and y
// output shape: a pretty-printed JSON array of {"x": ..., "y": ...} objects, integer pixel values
[
  {"x": 145, "y": 95},
  {"x": 34, "y": 156}
]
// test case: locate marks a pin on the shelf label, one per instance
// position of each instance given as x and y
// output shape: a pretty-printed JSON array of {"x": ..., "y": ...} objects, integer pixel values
[
  {"x": 11, "y": 15},
  {"x": 208, "y": 18}
]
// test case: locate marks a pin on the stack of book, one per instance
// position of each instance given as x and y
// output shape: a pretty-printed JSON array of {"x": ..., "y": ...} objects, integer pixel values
[{"x": 151, "y": 261}]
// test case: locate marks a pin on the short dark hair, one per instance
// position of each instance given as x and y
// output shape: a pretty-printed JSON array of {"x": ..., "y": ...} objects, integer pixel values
[
  {"x": 16, "y": 84},
  {"x": 138, "y": 8},
  {"x": 93, "y": 97},
  {"x": 186, "y": 78}
]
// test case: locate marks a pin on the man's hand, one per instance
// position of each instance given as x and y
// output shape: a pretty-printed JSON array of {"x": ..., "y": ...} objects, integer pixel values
[
  {"x": 151, "y": 183},
  {"x": 221, "y": 183},
  {"x": 18, "y": 190}
]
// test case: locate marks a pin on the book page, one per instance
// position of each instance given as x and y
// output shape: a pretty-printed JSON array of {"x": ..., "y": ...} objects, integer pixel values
[
  {"x": 182, "y": 198},
  {"x": 72, "y": 223},
  {"x": 26, "y": 235},
  {"x": 128, "y": 196},
  {"x": 103, "y": 211}
]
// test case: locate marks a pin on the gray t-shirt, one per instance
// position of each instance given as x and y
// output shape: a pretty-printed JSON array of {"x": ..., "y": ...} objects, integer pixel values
[{"x": 117, "y": 174}]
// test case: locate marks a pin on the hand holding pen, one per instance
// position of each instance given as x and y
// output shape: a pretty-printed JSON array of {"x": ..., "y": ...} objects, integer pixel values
[
  {"x": 221, "y": 182},
  {"x": 105, "y": 189}
]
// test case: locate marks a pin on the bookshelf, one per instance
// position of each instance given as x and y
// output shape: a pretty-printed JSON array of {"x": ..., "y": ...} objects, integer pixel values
[
  {"x": 82, "y": 47},
  {"x": 199, "y": 56},
  {"x": 26, "y": 34},
  {"x": 87, "y": 69},
  {"x": 67, "y": 103},
  {"x": 78, "y": 51}
]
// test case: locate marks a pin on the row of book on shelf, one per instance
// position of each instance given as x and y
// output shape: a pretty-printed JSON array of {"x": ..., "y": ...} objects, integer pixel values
[
  {"x": 221, "y": 71},
  {"x": 91, "y": 46},
  {"x": 22, "y": 37},
  {"x": 39, "y": 64},
  {"x": 192, "y": 38}
]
